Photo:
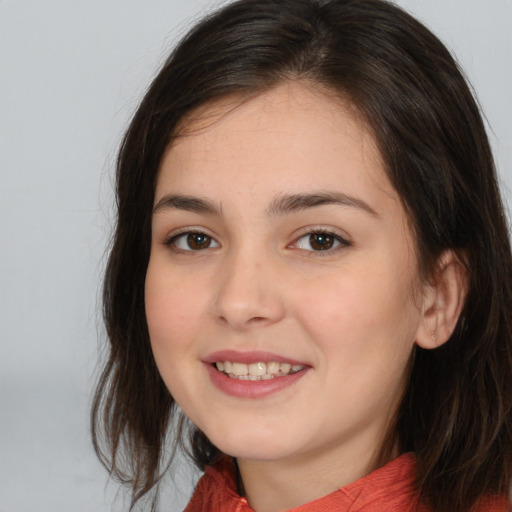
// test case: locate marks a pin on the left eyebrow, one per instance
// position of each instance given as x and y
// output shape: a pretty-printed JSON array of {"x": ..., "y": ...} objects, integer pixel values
[{"x": 295, "y": 202}]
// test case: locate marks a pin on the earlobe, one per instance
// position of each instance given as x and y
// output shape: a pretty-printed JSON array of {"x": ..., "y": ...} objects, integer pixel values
[{"x": 443, "y": 300}]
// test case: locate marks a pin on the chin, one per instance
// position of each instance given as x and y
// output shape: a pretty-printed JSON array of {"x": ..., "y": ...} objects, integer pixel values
[{"x": 254, "y": 443}]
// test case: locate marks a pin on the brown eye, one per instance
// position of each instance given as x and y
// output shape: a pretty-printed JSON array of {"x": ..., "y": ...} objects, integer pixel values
[
  {"x": 192, "y": 241},
  {"x": 321, "y": 241},
  {"x": 318, "y": 241},
  {"x": 198, "y": 241}
]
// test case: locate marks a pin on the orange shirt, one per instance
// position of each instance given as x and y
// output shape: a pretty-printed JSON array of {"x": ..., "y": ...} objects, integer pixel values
[{"x": 387, "y": 489}]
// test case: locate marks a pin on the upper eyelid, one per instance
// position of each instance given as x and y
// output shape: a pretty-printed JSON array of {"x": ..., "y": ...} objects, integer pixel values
[
  {"x": 300, "y": 233},
  {"x": 170, "y": 240},
  {"x": 186, "y": 230},
  {"x": 341, "y": 239},
  {"x": 323, "y": 232},
  {"x": 328, "y": 230}
]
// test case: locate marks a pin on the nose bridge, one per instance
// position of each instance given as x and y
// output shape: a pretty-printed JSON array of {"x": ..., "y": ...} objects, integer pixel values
[{"x": 248, "y": 292}]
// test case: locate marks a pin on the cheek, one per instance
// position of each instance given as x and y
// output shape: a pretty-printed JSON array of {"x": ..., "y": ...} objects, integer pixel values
[
  {"x": 364, "y": 330},
  {"x": 172, "y": 313},
  {"x": 362, "y": 314}
]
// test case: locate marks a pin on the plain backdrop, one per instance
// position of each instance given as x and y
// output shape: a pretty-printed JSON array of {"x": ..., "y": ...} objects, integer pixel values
[{"x": 71, "y": 74}]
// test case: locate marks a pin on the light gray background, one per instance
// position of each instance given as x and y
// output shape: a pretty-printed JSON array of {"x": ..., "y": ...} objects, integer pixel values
[{"x": 71, "y": 73}]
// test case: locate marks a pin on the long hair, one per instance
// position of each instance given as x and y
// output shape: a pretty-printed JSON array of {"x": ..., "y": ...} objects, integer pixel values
[{"x": 456, "y": 411}]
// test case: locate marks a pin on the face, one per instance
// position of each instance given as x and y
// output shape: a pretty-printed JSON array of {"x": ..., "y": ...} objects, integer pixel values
[{"x": 281, "y": 252}]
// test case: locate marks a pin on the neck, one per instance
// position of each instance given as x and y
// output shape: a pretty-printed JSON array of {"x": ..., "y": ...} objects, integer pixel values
[{"x": 272, "y": 486}]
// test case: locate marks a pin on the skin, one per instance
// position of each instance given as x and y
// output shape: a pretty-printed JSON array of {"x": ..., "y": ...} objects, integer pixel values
[{"x": 352, "y": 313}]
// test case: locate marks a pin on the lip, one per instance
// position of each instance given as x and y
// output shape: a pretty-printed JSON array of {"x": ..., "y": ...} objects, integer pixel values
[
  {"x": 254, "y": 356},
  {"x": 251, "y": 389}
]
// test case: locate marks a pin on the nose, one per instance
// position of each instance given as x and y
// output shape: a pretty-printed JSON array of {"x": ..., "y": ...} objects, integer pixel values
[{"x": 250, "y": 292}]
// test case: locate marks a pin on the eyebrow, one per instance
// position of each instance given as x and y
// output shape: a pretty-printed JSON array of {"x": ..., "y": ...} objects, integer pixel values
[
  {"x": 295, "y": 202},
  {"x": 281, "y": 205},
  {"x": 187, "y": 203}
]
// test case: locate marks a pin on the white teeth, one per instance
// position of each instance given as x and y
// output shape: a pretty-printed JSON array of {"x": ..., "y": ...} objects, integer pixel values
[
  {"x": 285, "y": 367},
  {"x": 272, "y": 367},
  {"x": 257, "y": 371},
  {"x": 240, "y": 369}
]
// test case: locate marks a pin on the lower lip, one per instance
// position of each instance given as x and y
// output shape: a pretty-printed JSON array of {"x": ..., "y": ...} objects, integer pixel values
[{"x": 252, "y": 388}]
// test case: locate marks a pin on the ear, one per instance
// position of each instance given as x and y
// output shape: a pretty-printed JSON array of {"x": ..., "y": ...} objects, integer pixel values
[{"x": 443, "y": 299}]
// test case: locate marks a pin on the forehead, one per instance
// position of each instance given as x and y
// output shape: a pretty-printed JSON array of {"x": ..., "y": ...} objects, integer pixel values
[
  {"x": 293, "y": 112},
  {"x": 292, "y": 138}
]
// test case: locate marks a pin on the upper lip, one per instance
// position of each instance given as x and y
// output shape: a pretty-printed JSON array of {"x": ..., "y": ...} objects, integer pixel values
[{"x": 248, "y": 357}]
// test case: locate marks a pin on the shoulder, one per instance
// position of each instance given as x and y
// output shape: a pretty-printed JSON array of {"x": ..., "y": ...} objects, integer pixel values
[
  {"x": 492, "y": 504},
  {"x": 216, "y": 489}
]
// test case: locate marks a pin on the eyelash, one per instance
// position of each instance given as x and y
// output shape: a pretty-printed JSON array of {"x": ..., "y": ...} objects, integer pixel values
[
  {"x": 171, "y": 241},
  {"x": 337, "y": 241}
]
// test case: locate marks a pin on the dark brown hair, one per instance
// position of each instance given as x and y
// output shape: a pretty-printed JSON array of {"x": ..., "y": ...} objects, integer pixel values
[{"x": 456, "y": 411}]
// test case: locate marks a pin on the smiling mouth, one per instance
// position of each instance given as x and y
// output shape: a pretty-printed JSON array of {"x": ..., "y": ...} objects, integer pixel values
[{"x": 257, "y": 371}]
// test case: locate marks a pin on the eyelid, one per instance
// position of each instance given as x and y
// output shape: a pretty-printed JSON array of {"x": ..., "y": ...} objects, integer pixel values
[
  {"x": 342, "y": 240},
  {"x": 170, "y": 239}
]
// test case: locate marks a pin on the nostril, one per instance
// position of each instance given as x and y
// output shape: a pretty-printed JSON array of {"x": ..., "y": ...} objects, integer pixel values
[{"x": 249, "y": 320}]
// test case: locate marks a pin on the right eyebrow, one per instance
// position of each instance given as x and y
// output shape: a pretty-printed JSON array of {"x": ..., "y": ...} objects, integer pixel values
[{"x": 187, "y": 203}]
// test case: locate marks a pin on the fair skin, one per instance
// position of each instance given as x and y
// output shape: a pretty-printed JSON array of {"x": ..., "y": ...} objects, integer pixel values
[{"x": 301, "y": 251}]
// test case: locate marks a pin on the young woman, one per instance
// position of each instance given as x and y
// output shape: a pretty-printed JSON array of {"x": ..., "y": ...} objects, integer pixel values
[{"x": 311, "y": 262}]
